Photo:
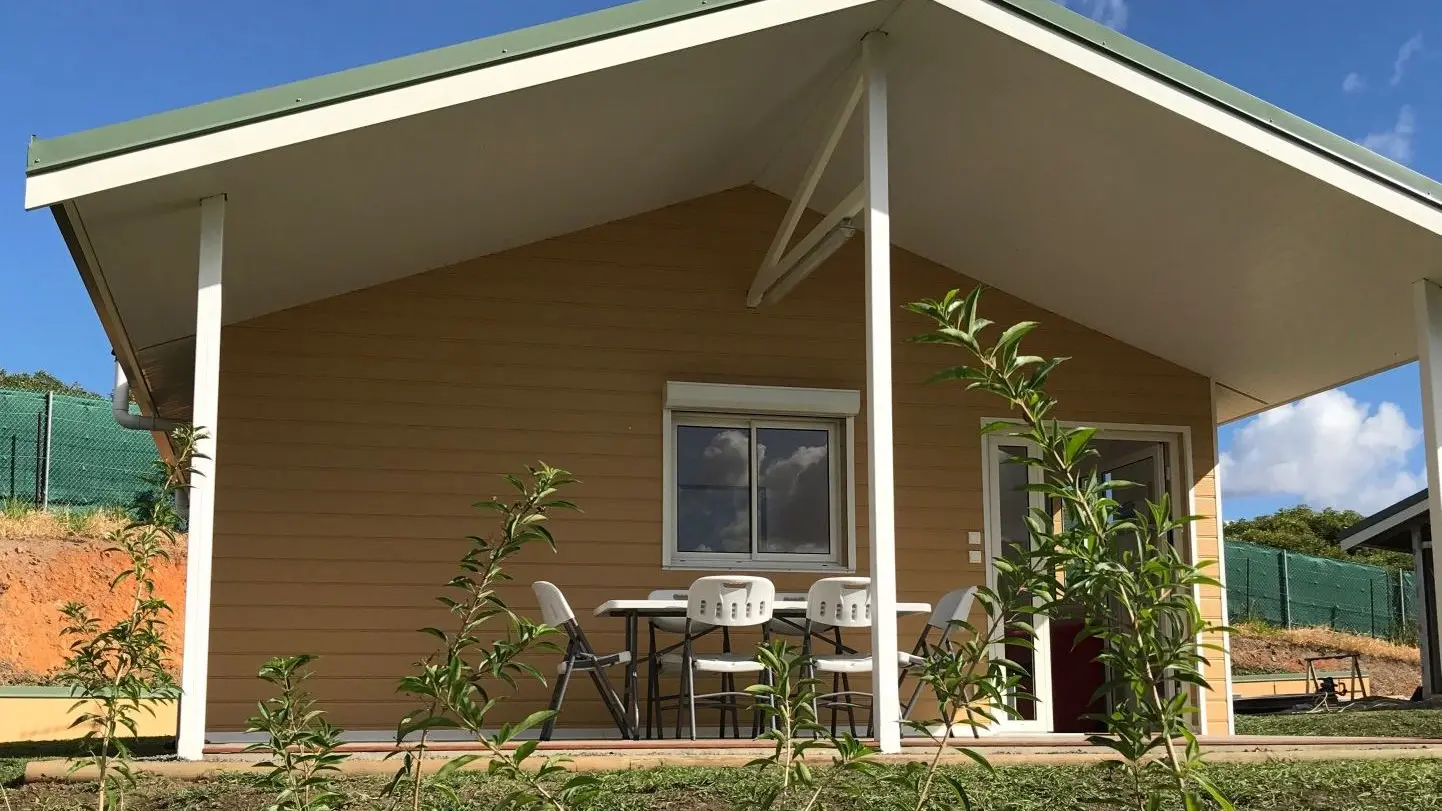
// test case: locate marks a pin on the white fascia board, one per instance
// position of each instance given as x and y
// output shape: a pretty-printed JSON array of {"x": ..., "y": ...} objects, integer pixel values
[
  {"x": 684, "y": 396},
  {"x": 1352, "y": 542},
  {"x": 261, "y": 136},
  {"x": 1226, "y": 122}
]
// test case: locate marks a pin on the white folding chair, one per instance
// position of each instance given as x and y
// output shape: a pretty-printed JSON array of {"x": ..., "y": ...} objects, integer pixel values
[
  {"x": 724, "y": 601},
  {"x": 953, "y": 607},
  {"x": 843, "y": 602},
  {"x": 656, "y": 664},
  {"x": 557, "y": 613}
]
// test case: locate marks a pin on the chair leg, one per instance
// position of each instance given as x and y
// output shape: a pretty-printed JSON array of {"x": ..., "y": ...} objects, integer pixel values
[
  {"x": 836, "y": 682},
  {"x": 850, "y": 705},
  {"x": 613, "y": 703},
  {"x": 558, "y": 696},
  {"x": 721, "y": 706},
  {"x": 651, "y": 669},
  {"x": 691, "y": 698}
]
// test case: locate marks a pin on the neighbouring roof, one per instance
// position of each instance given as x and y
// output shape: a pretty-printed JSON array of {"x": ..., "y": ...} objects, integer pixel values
[{"x": 1389, "y": 528}]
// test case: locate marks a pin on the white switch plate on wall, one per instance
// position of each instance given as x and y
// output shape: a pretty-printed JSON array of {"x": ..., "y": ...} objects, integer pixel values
[
  {"x": 973, "y": 538},
  {"x": 974, "y": 556}
]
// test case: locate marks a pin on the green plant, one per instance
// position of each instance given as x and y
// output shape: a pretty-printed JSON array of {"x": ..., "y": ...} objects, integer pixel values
[
  {"x": 74, "y": 521},
  {"x": 113, "y": 670},
  {"x": 452, "y": 684},
  {"x": 971, "y": 684},
  {"x": 787, "y": 700},
  {"x": 1134, "y": 591},
  {"x": 300, "y": 743},
  {"x": 15, "y": 508}
]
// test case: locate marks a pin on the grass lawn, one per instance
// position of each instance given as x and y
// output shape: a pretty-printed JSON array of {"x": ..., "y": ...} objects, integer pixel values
[
  {"x": 1370, "y": 723},
  {"x": 1351, "y": 785}
]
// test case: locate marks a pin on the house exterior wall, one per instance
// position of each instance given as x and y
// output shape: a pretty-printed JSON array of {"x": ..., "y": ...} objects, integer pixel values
[{"x": 359, "y": 430}]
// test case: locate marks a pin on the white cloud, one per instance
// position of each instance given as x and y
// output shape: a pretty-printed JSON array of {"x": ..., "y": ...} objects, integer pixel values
[
  {"x": 1395, "y": 143},
  {"x": 1111, "y": 13},
  {"x": 1409, "y": 49},
  {"x": 1354, "y": 83},
  {"x": 1329, "y": 450}
]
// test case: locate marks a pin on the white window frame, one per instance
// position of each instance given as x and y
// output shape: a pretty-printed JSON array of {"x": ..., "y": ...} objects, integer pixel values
[{"x": 753, "y": 408}]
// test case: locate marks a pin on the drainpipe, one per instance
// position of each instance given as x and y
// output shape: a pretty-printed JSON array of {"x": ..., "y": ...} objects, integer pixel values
[{"x": 120, "y": 406}]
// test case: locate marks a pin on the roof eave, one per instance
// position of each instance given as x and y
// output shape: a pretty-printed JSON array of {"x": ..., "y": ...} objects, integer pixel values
[{"x": 51, "y": 154}]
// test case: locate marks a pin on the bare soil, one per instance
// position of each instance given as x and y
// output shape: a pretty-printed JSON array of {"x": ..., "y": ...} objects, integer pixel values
[
  {"x": 1395, "y": 669},
  {"x": 40, "y": 573}
]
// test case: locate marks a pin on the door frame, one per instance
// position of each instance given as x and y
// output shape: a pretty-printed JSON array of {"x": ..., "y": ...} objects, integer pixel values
[
  {"x": 1041, "y": 652},
  {"x": 1183, "y": 490}
]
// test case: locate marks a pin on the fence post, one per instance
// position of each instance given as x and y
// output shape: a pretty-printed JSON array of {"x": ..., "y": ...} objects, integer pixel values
[
  {"x": 1286, "y": 593},
  {"x": 49, "y": 425},
  {"x": 1372, "y": 606},
  {"x": 1401, "y": 604}
]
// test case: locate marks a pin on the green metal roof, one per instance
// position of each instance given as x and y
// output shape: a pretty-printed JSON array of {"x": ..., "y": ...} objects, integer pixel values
[
  {"x": 1188, "y": 79},
  {"x": 56, "y": 153},
  {"x": 49, "y": 154}
]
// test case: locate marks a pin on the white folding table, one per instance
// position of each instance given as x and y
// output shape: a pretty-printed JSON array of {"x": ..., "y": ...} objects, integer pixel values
[{"x": 631, "y": 611}]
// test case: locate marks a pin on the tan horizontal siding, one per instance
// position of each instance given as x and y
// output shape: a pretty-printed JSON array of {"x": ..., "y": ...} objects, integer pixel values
[{"x": 359, "y": 430}]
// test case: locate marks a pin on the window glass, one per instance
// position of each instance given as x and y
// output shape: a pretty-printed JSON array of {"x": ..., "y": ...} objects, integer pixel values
[
  {"x": 713, "y": 489},
  {"x": 793, "y": 491}
]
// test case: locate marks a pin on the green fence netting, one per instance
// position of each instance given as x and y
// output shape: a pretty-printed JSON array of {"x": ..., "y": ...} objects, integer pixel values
[
  {"x": 1295, "y": 590},
  {"x": 67, "y": 451}
]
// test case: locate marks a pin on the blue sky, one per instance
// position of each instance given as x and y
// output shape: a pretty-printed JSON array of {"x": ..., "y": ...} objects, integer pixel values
[{"x": 1348, "y": 66}]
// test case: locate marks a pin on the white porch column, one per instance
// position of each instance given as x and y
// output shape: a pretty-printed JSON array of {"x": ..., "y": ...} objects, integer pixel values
[
  {"x": 1427, "y": 299},
  {"x": 206, "y": 403},
  {"x": 880, "y": 479}
]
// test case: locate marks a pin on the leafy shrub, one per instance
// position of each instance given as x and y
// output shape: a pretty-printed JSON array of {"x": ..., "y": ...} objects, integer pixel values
[
  {"x": 114, "y": 670},
  {"x": 452, "y": 684},
  {"x": 300, "y": 745},
  {"x": 787, "y": 700},
  {"x": 1135, "y": 592}
]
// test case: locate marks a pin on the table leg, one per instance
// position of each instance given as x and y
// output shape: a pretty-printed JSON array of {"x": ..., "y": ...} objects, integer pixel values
[{"x": 632, "y": 645}]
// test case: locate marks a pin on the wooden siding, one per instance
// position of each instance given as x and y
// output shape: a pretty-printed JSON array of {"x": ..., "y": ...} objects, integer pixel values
[{"x": 358, "y": 430}]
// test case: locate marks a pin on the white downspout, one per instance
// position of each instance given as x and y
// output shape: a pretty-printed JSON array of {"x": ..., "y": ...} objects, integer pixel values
[{"x": 120, "y": 407}]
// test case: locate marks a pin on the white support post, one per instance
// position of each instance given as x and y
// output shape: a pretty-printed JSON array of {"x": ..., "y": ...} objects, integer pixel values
[
  {"x": 880, "y": 450},
  {"x": 204, "y": 411},
  {"x": 1427, "y": 300}
]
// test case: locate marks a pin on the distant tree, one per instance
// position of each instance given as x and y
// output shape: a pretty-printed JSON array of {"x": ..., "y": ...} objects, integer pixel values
[
  {"x": 1311, "y": 532},
  {"x": 43, "y": 381}
]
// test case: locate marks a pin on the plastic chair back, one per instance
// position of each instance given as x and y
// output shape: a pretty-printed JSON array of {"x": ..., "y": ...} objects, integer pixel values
[
  {"x": 731, "y": 601},
  {"x": 841, "y": 601},
  {"x": 555, "y": 611},
  {"x": 953, "y": 606},
  {"x": 671, "y": 625}
]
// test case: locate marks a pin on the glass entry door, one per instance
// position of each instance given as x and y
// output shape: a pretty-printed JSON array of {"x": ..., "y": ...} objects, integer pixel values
[{"x": 1006, "y": 509}]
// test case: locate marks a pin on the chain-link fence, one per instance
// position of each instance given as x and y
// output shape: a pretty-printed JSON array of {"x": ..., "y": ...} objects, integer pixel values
[
  {"x": 65, "y": 451},
  {"x": 1295, "y": 590}
]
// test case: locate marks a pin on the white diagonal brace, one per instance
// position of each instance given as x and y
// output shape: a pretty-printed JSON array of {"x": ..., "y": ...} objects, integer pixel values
[
  {"x": 787, "y": 275},
  {"x": 845, "y": 106}
]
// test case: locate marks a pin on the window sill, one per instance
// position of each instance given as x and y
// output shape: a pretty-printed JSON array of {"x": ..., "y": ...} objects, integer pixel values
[{"x": 701, "y": 565}]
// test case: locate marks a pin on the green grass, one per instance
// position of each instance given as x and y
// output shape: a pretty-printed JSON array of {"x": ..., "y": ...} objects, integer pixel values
[
  {"x": 11, "y": 770},
  {"x": 1370, "y": 723},
  {"x": 1278, "y": 786}
]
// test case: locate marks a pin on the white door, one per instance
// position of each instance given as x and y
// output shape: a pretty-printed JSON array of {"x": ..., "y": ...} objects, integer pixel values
[
  {"x": 1007, "y": 506},
  {"x": 1146, "y": 468}
]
